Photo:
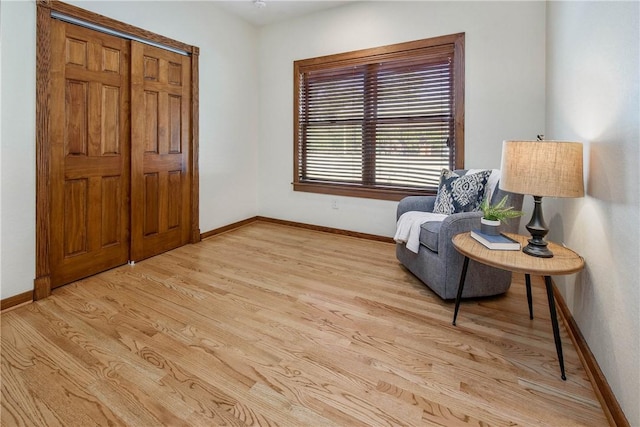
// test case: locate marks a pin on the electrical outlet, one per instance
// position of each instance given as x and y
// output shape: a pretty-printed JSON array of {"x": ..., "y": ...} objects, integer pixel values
[{"x": 334, "y": 204}]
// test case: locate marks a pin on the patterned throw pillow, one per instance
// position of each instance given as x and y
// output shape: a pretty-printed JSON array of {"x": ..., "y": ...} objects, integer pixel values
[{"x": 460, "y": 193}]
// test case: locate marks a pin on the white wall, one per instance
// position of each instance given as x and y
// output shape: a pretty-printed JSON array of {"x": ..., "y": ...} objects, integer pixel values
[
  {"x": 18, "y": 98},
  {"x": 228, "y": 123},
  {"x": 504, "y": 84},
  {"x": 593, "y": 55}
]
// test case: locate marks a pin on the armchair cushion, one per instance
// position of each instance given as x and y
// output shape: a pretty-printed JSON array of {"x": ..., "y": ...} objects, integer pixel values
[
  {"x": 429, "y": 232},
  {"x": 458, "y": 193}
]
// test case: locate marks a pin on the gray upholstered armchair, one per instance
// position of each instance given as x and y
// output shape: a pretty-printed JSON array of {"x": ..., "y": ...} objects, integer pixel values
[{"x": 438, "y": 264}]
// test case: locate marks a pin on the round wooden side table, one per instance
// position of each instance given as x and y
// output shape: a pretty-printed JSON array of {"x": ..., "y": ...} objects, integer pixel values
[{"x": 564, "y": 261}]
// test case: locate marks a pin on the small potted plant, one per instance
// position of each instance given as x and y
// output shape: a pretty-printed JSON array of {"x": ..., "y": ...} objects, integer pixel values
[{"x": 493, "y": 215}]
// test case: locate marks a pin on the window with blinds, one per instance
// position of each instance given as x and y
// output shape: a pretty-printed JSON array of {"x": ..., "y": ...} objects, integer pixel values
[{"x": 379, "y": 123}]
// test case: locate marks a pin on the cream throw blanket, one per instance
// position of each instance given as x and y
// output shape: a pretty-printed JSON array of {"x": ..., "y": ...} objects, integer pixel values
[{"x": 408, "y": 227}]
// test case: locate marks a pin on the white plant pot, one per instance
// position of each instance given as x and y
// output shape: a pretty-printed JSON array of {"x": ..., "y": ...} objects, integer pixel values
[{"x": 489, "y": 226}]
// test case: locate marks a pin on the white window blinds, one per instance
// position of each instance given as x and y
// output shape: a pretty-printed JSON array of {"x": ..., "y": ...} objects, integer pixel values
[{"x": 383, "y": 123}]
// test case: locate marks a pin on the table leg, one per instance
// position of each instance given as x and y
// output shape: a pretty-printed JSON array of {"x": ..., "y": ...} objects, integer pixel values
[
  {"x": 554, "y": 323},
  {"x": 527, "y": 278},
  {"x": 463, "y": 276}
]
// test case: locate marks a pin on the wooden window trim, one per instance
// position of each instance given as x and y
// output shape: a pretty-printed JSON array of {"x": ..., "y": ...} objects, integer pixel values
[{"x": 365, "y": 56}]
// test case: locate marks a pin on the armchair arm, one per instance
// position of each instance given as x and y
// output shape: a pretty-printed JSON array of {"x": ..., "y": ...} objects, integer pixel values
[
  {"x": 456, "y": 224},
  {"x": 415, "y": 203}
]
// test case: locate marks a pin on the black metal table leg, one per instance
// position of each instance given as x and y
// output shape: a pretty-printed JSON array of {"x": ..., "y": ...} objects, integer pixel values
[
  {"x": 554, "y": 323},
  {"x": 527, "y": 278},
  {"x": 463, "y": 276}
]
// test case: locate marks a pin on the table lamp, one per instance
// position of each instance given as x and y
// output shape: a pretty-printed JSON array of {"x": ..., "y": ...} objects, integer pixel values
[{"x": 541, "y": 169}]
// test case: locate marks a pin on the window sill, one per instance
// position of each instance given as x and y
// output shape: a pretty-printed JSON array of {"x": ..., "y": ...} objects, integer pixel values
[{"x": 356, "y": 191}]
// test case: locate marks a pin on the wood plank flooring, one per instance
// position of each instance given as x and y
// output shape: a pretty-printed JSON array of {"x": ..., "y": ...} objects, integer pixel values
[{"x": 275, "y": 325}]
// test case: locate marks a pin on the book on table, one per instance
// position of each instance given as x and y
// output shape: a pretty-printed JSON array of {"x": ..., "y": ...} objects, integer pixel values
[{"x": 498, "y": 242}]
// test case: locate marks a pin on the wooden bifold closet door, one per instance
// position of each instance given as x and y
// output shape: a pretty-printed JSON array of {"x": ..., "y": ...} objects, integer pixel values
[
  {"x": 160, "y": 100},
  {"x": 119, "y": 151},
  {"x": 90, "y": 152}
]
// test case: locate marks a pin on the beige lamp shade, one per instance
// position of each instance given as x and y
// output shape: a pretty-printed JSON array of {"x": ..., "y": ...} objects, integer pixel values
[{"x": 542, "y": 168}]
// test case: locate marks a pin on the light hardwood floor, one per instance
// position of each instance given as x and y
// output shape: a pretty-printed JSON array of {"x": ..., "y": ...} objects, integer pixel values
[{"x": 275, "y": 325}]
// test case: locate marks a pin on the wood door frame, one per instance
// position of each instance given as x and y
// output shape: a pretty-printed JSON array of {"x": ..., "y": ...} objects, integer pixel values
[{"x": 42, "y": 281}]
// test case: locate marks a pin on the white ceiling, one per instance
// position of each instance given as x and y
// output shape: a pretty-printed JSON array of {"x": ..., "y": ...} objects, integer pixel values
[{"x": 275, "y": 10}]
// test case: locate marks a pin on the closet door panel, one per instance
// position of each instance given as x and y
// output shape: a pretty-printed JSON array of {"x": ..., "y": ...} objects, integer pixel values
[
  {"x": 76, "y": 203},
  {"x": 111, "y": 215},
  {"x": 110, "y": 117},
  {"x": 160, "y": 163},
  {"x": 90, "y": 162},
  {"x": 151, "y": 224}
]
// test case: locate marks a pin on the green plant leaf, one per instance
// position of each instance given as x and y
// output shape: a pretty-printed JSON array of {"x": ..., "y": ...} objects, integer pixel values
[{"x": 499, "y": 211}]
